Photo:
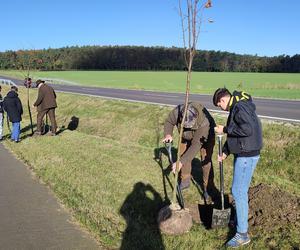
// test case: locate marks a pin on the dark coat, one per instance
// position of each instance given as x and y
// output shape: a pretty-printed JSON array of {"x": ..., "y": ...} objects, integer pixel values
[
  {"x": 46, "y": 98},
  {"x": 1, "y": 104},
  {"x": 197, "y": 136},
  {"x": 13, "y": 106},
  {"x": 243, "y": 128}
]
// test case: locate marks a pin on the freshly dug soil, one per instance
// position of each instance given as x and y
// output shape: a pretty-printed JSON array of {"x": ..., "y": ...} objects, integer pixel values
[{"x": 270, "y": 207}]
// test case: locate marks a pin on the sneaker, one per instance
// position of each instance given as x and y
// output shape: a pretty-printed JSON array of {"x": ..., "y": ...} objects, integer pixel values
[
  {"x": 51, "y": 134},
  {"x": 238, "y": 240},
  {"x": 184, "y": 184}
]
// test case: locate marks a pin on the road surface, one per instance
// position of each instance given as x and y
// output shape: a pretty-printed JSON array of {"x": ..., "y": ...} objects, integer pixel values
[{"x": 273, "y": 109}]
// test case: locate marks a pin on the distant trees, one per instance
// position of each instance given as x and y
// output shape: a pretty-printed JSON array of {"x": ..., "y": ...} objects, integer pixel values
[{"x": 143, "y": 58}]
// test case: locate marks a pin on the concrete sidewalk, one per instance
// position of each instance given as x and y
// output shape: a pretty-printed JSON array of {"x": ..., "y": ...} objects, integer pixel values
[{"x": 30, "y": 216}]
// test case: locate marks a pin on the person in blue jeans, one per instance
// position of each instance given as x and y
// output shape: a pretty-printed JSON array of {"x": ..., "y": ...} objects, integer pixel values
[
  {"x": 13, "y": 107},
  {"x": 244, "y": 141}
]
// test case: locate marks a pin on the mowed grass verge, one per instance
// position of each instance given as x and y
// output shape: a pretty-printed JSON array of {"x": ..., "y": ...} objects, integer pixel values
[
  {"x": 105, "y": 172},
  {"x": 274, "y": 85}
]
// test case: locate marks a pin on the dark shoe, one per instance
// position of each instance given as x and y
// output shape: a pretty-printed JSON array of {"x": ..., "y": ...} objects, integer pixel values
[
  {"x": 207, "y": 198},
  {"x": 51, "y": 134},
  {"x": 184, "y": 184},
  {"x": 238, "y": 240}
]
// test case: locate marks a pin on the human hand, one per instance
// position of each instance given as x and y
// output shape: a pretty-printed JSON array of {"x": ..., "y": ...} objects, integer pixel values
[
  {"x": 174, "y": 167},
  {"x": 219, "y": 129},
  {"x": 168, "y": 138},
  {"x": 222, "y": 158}
]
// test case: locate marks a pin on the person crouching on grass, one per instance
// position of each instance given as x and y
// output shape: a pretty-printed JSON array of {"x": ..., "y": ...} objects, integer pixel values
[
  {"x": 13, "y": 107},
  {"x": 244, "y": 141}
]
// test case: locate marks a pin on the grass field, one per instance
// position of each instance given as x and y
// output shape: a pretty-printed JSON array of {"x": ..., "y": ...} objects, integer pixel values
[
  {"x": 274, "y": 85},
  {"x": 105, "y": 172}
]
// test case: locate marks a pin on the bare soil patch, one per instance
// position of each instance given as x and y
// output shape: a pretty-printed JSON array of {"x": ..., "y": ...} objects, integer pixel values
[{"x": 269, "y": 207}]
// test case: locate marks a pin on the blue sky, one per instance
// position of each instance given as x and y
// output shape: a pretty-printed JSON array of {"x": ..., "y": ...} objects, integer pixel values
[{"x": 240, "y": 26}]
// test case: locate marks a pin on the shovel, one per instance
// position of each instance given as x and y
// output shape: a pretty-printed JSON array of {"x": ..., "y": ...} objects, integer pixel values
[
  {"x": 168, "y": 146},
  {"x": 220, "y": 218}
]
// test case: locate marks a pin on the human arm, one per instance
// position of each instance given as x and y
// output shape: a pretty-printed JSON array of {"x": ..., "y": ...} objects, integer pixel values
[
  {"x": 199, "y": 138},
  {"x": 240, "y": 126},
  {"x": 39, "y": 98},
  {"x": 170, "y": 122}
]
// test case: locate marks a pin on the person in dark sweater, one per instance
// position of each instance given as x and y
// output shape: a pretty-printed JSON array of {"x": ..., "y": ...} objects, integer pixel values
[
  {"x": 244, "y": 141},
  {"x": 13, "y": 107}
]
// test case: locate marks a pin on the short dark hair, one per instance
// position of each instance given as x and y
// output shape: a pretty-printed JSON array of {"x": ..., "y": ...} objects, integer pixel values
[
  {"x": 220, "y": 92},
  {"x": 14, "y": 88}
]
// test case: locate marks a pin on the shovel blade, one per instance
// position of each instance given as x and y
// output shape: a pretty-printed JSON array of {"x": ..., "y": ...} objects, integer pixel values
[{"x": 220, "y": 218}]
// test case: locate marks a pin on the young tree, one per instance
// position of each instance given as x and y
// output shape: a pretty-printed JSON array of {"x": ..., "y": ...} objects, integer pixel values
[{"x": 191, "y": 15}]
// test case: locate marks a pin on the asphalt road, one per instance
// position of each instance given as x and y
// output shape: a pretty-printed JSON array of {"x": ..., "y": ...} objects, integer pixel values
[{"x": 273, "y": 109}]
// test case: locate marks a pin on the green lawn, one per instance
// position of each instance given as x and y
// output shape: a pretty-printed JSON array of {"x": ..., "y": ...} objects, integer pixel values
[
  {"x": 276, "y": 85},
  {"x": 105, "y": 172}
]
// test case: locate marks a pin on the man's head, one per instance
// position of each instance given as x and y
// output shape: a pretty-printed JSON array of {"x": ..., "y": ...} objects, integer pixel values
[
  {"x": 14, "y": 88},
  {"x": 221, "y": 98},
  {"x": 38, "y": 82},
  {"x": 191, "y": 116}
]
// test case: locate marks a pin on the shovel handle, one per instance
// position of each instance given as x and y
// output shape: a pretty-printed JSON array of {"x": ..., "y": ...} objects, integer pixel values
[
  {"x": 221, "y": 170},
  {"x": 168, "y": 145}
]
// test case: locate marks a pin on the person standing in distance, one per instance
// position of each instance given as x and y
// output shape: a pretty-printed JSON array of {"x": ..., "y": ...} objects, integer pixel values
[
  {"x": 1, "y": 115},
  {"x": 13, "y": 107},
  {"x": 46, "y": 104},
  {"x": 244, "y": 141}
]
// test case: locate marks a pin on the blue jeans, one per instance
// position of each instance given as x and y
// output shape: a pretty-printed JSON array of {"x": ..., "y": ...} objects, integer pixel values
[
  {"x": 15, "y": 135},
  {"x": 242, "y": 175}
]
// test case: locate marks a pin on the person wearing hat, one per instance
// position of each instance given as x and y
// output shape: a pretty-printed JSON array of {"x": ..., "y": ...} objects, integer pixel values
[
  {"x": 46, "y": 104},
  {"x": 198, "y": 136},
  {"x": 244, "y": 141},
  {"x": 13, "y": 107}
]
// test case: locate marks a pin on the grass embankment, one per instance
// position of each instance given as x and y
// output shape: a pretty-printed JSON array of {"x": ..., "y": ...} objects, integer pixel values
[
  {"x": 105, "y": 171},
  {"x": 275, "y": 85}
]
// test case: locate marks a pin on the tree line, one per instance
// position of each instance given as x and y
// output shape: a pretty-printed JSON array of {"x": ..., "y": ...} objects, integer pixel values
[{"x": 143, "y": 58}]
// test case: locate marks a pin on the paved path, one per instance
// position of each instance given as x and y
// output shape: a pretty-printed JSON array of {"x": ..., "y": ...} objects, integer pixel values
[{"x": 30, "y": 216}]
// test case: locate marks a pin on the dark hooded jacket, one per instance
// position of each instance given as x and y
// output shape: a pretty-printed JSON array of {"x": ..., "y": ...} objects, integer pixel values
[
  {"x": 13, "y": 106},
  {"x": 243, "y": 128},
  {"x": 199, "y": 134}
]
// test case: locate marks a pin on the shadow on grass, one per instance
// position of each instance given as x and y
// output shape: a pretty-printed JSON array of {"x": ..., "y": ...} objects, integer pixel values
[
  {"x": 140, "y": 210},
  {"x": 159, "y": 153},
  {"x": 72, "y": 125}
]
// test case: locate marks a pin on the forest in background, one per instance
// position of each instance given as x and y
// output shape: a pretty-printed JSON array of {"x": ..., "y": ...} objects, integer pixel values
[{"x": 143, "y": 58}]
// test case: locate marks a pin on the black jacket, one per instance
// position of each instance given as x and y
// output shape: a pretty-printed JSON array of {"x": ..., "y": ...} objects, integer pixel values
[
  {"x": 13, "y": 106},
  {"x": 243, "y": 128},
  {"x": 1, "y": 104}
]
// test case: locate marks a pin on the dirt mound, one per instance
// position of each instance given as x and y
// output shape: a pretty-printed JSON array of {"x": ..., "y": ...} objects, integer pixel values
[{"x": 270, "y": 207}]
